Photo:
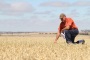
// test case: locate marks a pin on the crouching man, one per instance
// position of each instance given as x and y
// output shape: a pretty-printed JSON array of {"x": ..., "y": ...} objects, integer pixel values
[{"x": 69, "y": 28}]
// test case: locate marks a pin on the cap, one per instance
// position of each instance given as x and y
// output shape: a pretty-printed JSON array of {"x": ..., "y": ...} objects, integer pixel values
[{"x": 62, "y": 15}]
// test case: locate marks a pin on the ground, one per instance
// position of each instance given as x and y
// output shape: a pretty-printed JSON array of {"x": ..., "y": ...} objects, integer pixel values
[{"x": 42, "y": 47}]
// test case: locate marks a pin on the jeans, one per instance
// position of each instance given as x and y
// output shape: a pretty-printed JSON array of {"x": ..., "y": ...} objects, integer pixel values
[{"x": 70, "y": 35}]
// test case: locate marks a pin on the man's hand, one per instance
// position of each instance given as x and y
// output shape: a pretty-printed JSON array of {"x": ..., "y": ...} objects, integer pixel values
[
  {"x": 55, "y": 41},
  {"x": 62, "y": 30}
]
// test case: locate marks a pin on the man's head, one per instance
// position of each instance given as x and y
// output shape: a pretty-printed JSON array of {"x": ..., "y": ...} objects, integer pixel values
[{"x": 62, "y": 17}]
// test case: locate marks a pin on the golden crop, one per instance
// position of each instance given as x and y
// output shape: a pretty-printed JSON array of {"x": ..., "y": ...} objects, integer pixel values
[{"x": 42, "y": 48}]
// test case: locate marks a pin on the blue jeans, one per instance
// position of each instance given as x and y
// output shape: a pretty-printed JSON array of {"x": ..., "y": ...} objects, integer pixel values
[{"x": 70, "y": 35}]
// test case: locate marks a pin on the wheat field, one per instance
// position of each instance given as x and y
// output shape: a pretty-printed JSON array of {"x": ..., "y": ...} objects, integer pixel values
[{"x": 42, "y": 47}]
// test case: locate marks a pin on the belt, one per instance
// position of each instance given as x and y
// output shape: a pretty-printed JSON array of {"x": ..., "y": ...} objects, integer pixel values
[{"x": 74, "y": 28}]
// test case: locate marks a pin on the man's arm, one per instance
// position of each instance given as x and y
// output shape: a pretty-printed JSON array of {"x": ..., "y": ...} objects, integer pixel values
[
  {"x": 68, "y": 24},
  {"x": 57, "y": 36},
  {"x": 66, "y": 28}
]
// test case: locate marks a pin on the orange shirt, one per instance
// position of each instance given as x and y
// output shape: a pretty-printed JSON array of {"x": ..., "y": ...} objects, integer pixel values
[{"x": 68, "y": 22}]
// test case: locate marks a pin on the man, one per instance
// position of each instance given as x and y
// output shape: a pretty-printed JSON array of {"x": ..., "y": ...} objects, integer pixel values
[{"x": 68, "y": 27}]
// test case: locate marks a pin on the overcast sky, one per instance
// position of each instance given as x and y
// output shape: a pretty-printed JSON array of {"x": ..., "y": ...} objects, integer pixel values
[{"x": 42, "y": 15}]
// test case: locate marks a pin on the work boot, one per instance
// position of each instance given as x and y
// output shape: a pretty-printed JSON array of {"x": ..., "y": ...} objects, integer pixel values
[{"x": 81, "y": 42}]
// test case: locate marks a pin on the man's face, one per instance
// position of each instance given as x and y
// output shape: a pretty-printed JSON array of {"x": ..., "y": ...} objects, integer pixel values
[{"x": 63, "y": 19}]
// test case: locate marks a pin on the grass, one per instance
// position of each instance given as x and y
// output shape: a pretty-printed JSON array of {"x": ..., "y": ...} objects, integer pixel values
[{"x": 42, "y": 48}]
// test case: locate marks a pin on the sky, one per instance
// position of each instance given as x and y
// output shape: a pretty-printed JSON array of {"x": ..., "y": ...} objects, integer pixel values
[{"x": 42, "y": 15}]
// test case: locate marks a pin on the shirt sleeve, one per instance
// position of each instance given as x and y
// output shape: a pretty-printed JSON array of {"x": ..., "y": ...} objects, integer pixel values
[{"x": 60, "y": 28}]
